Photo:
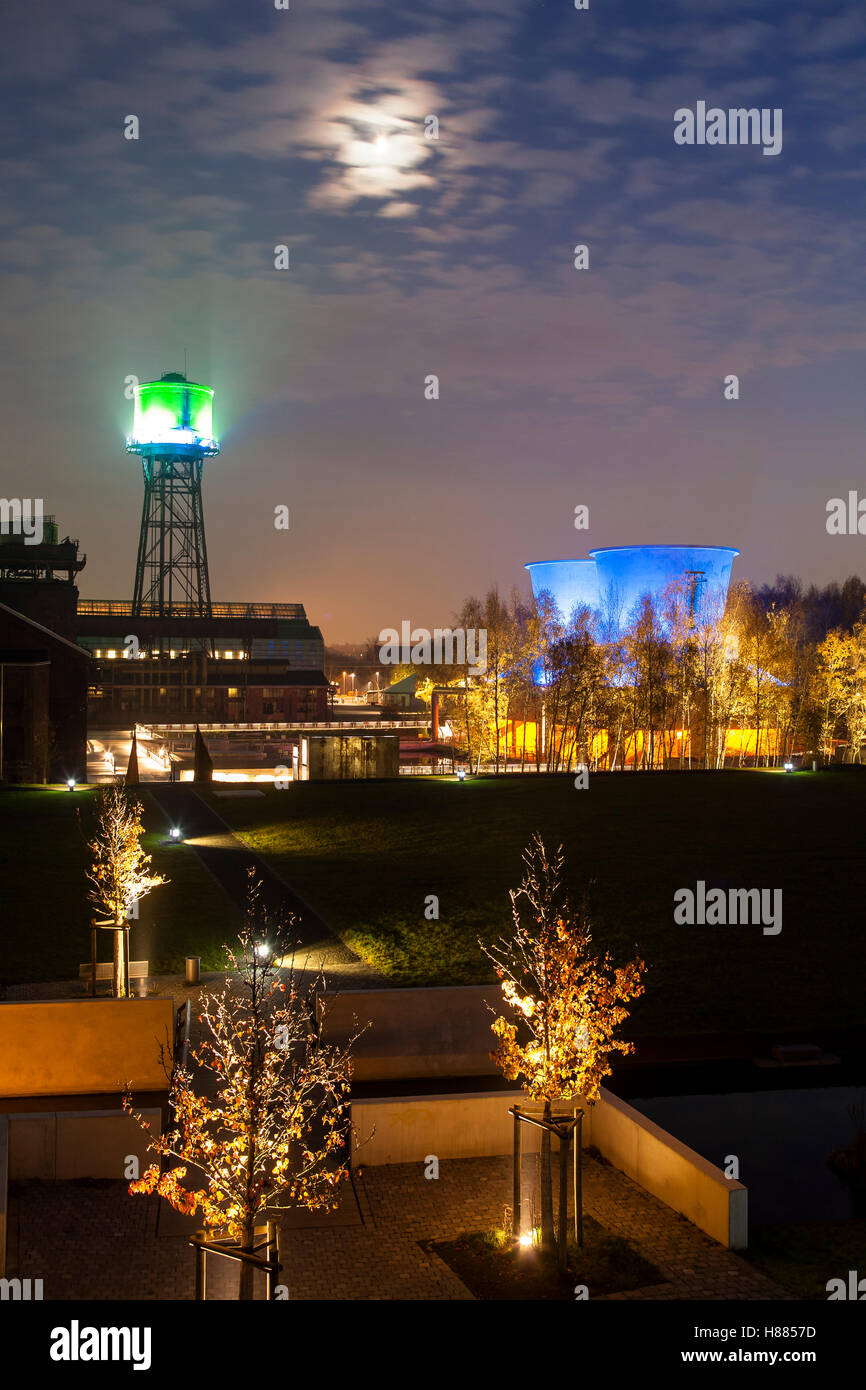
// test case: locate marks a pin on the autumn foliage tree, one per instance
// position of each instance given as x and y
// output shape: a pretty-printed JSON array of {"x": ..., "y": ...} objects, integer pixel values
[
  {"x": 119, "y": 871},
  {"x": 567, "y": 1002},
  {"x": 261, "y": 1125}
]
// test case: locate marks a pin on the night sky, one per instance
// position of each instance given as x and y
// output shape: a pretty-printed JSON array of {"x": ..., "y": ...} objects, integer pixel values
[{"x": 411, "y": 256}]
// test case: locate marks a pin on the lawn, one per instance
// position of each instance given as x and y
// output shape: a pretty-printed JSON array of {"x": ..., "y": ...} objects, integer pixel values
[
  {"x": 46, "y": 916},
  {"x": 804, "y": 1256},
  {"x": 367, "y": 855}
]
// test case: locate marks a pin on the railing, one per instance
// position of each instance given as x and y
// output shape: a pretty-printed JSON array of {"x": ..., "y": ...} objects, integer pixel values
[
  {"x": 158, "y": 731},
  {"x": 122, "y": 608},
  {"x": 181, "y": 1034}
]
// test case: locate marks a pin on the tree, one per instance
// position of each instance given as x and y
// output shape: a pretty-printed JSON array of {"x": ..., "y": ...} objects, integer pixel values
[
  {"x": 270, "y": 1135},
  {"x": 568, "y": 1002},
  {"x": 832, "y": 686},
  {"x": 649, "y": 652},
  {"x": 119, "y": 869}
]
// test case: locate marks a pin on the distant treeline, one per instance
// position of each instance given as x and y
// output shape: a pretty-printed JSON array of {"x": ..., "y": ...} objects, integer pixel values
[{"x": 836, "y": 606}]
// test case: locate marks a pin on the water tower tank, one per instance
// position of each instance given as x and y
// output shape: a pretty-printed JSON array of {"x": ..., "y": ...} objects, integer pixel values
[{"x": 173, "y": 415}]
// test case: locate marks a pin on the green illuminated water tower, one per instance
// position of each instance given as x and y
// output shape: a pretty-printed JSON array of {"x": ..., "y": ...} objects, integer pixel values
[{"x": 173, "y": 435}]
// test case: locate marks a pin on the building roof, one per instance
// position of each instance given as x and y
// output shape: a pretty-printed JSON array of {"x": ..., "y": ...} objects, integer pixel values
[
  {"x": 24, "y": 656},
  {"x": 54, "y": 638},
  {"x": 404, "y": 687}
]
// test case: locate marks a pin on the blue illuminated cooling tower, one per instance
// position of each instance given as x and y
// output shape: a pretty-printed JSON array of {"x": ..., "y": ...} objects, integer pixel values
[
  {"x": 626, "y": 573},
  {"x": 571, "y": 583},
  {"x": 614, "y": 579}
]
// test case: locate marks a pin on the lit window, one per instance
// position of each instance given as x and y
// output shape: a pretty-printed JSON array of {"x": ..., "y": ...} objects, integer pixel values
[{"x": 234, "y": 692}]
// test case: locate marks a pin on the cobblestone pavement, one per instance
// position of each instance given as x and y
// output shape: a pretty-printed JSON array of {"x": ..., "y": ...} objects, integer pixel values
[{"x": 92, "y": 1240}]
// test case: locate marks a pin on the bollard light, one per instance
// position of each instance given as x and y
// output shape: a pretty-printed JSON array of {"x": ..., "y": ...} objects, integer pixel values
[
  {"x": 461, "y": 774},
  {"x": 789, "y": 767},
  {"x": 174, "y": 833},
  {"x": 70, "y": 782}
]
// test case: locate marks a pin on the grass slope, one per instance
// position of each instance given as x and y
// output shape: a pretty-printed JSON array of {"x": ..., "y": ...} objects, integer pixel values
[
  {"x": 804, "y": 1256},
  {"x": 367, "y": 855},
  {"x": 45, "y": 923}
]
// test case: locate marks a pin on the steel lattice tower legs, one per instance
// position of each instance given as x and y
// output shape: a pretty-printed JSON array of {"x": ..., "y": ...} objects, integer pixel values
[{"x": 171, "y": 572}]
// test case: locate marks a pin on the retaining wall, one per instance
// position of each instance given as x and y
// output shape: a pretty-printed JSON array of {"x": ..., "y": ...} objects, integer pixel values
[
  {"x": 84, "y": 1046},
  {"x": 67, "y": 1144},
  {"x": 406, "y": 1129}
]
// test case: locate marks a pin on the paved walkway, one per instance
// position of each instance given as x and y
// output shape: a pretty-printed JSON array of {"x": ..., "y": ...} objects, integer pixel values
[
  {"x": 229, "y": 860},
  {"x": 92, "y": 1240}
]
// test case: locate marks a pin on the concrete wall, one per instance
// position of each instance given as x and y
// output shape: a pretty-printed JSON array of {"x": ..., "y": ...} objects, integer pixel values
[
  {"x": 63, "y": 1145},
  {"x": 84, "y": 1046},
  {"x": 405, "y": 1129},
  {"x": 671, "y": 1171},
  {"x": 68, "y": 1144}
]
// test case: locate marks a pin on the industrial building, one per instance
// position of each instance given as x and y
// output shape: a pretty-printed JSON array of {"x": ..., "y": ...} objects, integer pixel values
[
  {"x": 43, "y": 700},
  {"x": 43, "y": 673},
  {"x": 247, "y": 662},
  {"x": 332, "y": 755}
]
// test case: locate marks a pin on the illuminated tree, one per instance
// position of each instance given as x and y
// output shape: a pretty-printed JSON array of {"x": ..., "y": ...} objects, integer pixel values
[
  {"x": 119, "y": 866},
  {"x": 568, "y": 1002},
  {"x": 267, "y": 1130},
  {"x": 119, "y": 871}
]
